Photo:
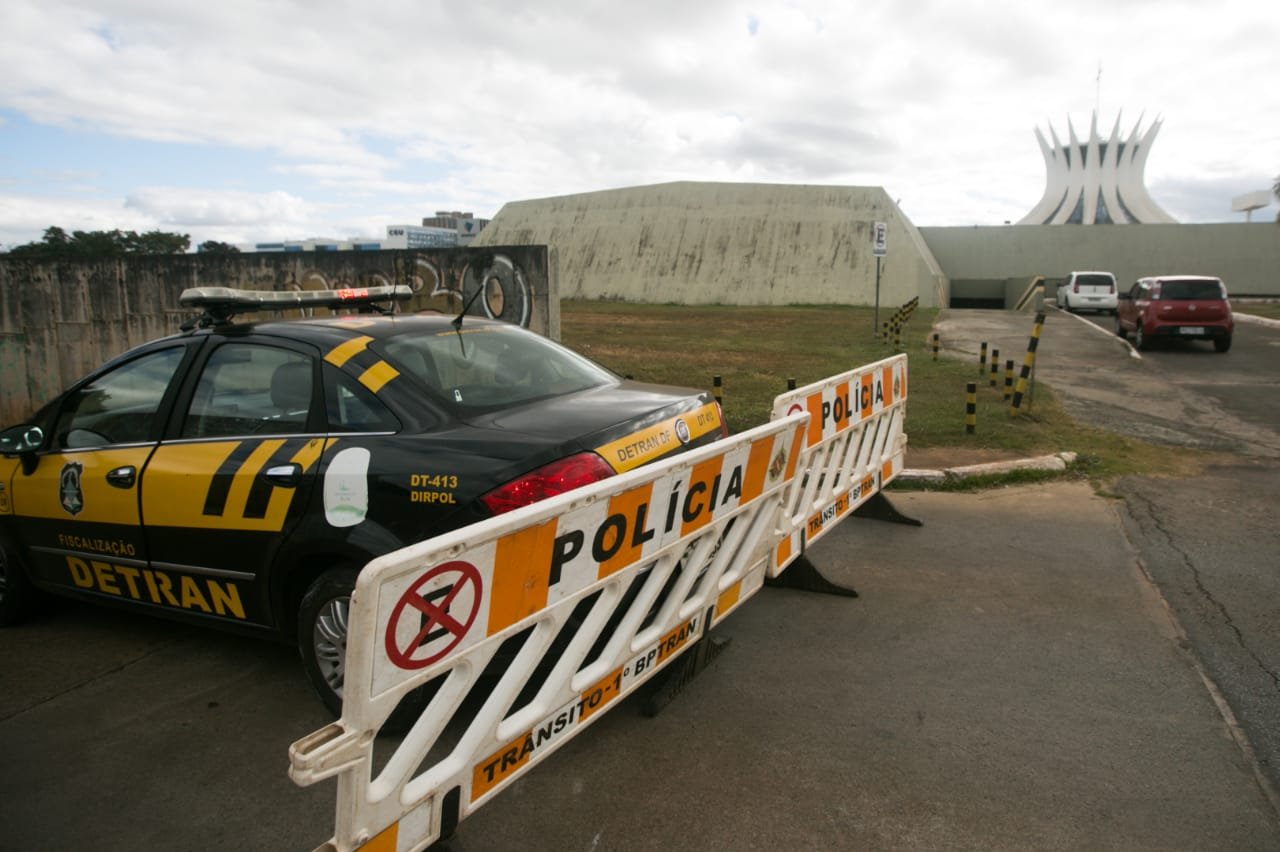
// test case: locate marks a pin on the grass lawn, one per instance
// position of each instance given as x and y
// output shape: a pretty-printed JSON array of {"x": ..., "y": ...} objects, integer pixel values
[{"x": 755, "y": 350}]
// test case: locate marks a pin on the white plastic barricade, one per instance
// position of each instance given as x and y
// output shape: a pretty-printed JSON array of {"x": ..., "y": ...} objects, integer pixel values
[
  {"x": 854, "y": 446},
  {"x": 564, "y": 606}
]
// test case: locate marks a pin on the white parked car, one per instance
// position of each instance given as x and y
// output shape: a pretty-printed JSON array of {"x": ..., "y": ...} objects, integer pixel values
[{"x": 1088, "y": 291}]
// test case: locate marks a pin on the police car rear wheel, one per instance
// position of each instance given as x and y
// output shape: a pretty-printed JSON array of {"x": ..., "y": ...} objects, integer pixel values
[
  {"x": 322, "y": 640},
  {"x": 322, "y": 633}
]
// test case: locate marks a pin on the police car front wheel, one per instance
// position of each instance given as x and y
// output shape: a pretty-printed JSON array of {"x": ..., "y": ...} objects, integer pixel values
[
  {"x": 322, "y": 633},
  {"x": 17, "y": 595}
]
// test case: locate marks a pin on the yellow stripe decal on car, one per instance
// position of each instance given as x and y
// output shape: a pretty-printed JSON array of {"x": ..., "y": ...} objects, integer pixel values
[
  {"x": 344, "y": 352},
  {"x": 656, "y": 441},
  {"x": 181, "y": 478},
  {"x": 378, "y": 375}
]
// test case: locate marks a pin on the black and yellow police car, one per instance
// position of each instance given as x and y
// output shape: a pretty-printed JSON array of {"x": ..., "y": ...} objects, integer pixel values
[{"x": 240, "y": 474}]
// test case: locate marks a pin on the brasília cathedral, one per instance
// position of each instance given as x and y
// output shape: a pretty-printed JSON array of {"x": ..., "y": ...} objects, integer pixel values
[{"x": 1096, "y": 182}]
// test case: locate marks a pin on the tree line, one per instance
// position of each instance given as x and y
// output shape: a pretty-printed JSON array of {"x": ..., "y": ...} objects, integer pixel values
[{"x": 57, "y": 243}]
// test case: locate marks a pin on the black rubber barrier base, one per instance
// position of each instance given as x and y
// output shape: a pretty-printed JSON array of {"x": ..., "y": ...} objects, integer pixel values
[
  {"x": 668, "y": 684},
  {"x": 878, "y": 508},
  {"x": 801, "y": 575}
]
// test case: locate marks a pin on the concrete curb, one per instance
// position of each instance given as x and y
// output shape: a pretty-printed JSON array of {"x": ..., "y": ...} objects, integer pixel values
[
  {"x": 1256, "y": 320},
  {"x": 1057, "y": 461}
]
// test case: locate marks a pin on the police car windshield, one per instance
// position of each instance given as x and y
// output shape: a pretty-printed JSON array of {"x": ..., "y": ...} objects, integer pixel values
[{"x": 478, "y": 369}]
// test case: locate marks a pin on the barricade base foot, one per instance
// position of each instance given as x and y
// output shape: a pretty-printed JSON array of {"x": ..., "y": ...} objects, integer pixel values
[
  {"x": 879, "y": 508},
  {"x": 667, "y": 685},
  {"x": 802, "y": 575}
]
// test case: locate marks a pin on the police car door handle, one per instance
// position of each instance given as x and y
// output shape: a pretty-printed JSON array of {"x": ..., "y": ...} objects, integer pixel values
[
  {"x": 123, "y": 477},
  {"x": 285, "y": 475}
]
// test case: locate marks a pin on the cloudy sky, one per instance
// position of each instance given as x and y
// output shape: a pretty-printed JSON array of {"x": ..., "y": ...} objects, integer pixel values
[{"x": 241, "y": 121}]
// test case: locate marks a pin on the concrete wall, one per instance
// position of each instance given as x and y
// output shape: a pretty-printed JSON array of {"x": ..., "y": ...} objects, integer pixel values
[
  {"x": 726, "y": 243},
  {"x": 59, "y": 320},
  {"x": 1245, "y": 255}
]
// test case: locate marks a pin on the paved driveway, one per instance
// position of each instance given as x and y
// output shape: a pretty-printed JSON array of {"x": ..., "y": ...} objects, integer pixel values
[
  {"x": 1211, "y": 544},
  {"x": 1180, "y": 394},
  {"x": 1006, "y": 680}
]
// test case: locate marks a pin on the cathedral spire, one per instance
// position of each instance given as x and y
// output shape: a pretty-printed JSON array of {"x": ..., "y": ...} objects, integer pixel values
[{"x": 1096, "y": 181}]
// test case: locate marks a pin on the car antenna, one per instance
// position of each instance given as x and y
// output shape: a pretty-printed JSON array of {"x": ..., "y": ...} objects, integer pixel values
[{"x": 457, "y": 321}]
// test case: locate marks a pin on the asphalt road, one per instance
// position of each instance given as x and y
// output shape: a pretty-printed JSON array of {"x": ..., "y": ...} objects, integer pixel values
[
  {"x": 1181, "y": 394},
  {"x": 1011, "y": 677},
  {"x": 1242, "y": 382},
  {"x": 1211, "y": 544},
  {"x": 1007, "y": 679}
]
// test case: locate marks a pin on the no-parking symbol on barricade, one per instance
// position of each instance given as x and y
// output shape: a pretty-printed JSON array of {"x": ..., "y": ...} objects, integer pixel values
[{"x": 433, "y": 615}]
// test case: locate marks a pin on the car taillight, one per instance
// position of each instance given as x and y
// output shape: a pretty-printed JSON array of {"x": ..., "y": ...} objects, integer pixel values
[
  {"x": 1075, "y": 288},
  {"x": 547, "y": 481}
]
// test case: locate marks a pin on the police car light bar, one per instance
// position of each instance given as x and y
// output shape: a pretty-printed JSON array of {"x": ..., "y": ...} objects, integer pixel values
[{"x": 222, "y": 303}]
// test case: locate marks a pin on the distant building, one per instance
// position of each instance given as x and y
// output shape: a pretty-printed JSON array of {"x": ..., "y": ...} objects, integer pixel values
[
  {"x": 1097, "y": 182},
  {"x": 414, "y": 237},
  {"x": 443, "y": 230},
  {"x": 465, "y": 225},
  {"x": 311, "y": 244}
]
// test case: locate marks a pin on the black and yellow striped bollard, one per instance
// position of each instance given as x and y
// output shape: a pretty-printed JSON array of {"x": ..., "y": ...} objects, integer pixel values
[
  {"x": 935, "y": 346},
  {"x": 982, "y": 360},
  {"x": 995, "y": 367},
  {"x": 1027, "y": 364},
  {"x": 1008, "y": 380},
  {"x": 971, "y": 408},
  {"x": 719, "y": 390}
]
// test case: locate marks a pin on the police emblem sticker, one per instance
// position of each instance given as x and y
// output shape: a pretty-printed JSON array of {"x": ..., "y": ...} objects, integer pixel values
[
  {"x": 682, "y": 431},
  {"x": 69, "y": 493}
]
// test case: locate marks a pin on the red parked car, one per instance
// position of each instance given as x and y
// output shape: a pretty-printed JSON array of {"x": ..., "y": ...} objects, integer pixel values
[{"x": 1186, "y": 307}]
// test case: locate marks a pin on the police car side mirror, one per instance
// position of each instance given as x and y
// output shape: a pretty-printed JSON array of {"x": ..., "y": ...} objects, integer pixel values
[{"x": 22, "y": 441}]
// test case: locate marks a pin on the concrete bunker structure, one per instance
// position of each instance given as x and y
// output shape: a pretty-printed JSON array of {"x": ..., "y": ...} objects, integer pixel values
[
  {"x": 726, "y": 243},
  {"x": 770, "y": 244}
]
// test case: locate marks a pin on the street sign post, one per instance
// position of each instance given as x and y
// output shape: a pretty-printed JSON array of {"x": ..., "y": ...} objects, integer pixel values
[{"x": 879, "y": 247}]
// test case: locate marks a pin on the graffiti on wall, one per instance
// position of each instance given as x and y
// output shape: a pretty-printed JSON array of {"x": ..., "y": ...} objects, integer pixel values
[
  {"x": 493, "y": 286},
  {"x": 73, "y": 316}
]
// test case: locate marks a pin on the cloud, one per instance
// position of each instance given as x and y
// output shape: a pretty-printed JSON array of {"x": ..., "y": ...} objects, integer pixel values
[
  {"x": 359, "y": 114},
  {"x": 24, "y": 218},
  {"x": 182, "y": 207},
  {"x": 1207, "y": 199}
]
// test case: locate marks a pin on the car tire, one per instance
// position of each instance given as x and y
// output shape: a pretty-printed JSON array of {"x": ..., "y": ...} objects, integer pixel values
[
  {"x": 323, "y": 617},
  {"x": 322, "y": 634},
  {"x": 18, "y": 597},
  {"x": 1140, "y": 339},
  {"x": 1120, "y": 332},
  {"x": 1222, "y": 344}
]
